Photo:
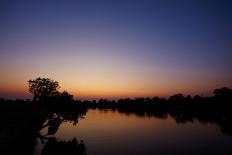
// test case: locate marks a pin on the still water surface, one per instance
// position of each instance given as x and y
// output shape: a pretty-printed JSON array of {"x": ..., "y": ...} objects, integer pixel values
[{"x": 107, "y": 132}]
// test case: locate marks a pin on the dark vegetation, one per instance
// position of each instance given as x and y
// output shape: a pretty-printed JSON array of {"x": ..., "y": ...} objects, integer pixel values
[
  {"x": 215, "y": 109},
  {"x": 63, "y": 147},
  {"x": 22, "y": 120}
]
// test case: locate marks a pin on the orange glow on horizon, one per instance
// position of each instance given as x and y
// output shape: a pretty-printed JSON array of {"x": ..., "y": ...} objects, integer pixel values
[
  {"x": 104, "y": 50},
  {"x": 94, "y": 93},
  {"x": 112, "y": 86}
]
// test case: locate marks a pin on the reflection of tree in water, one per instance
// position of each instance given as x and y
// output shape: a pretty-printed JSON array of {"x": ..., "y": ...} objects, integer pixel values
[
  {"x": 55, "y": 147},
  {"x": 55, "y": 108},
  {"x": 223, "y": 119},
  {"x": 52, "y": 122}
]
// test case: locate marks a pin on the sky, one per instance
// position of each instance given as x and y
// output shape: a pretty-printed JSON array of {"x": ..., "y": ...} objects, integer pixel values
[{"x": 116, "y": 48}]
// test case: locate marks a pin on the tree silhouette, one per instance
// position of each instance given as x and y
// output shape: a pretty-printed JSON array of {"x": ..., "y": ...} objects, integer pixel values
[
  {"x": 56, "y": 147},
  {"x": 65, "y": 97},
  {"x": 42, "y": 88},
  {"x": 223, "y": 94}
]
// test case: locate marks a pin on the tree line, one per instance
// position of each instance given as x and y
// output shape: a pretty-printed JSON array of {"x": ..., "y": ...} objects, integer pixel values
[{"x": 45, "y": 91}]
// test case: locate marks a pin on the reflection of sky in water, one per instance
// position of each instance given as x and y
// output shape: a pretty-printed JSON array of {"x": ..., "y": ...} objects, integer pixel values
[{"x": 108, "y": 132}]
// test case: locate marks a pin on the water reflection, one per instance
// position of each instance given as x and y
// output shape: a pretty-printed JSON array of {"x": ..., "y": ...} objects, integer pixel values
[
  {"x": 55, "y": 147},
  {"x": 224, "y": 121},
  {"x": 52, "y": 120},
  {"x": 123, "y": 131}
]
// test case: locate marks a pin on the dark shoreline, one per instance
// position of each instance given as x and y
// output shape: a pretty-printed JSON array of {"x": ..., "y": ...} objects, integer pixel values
[{"x": 23, "y": 119}]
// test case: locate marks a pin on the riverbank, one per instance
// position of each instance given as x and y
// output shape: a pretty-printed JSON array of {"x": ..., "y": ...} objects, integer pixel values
[{"x": 19, "y": 127}]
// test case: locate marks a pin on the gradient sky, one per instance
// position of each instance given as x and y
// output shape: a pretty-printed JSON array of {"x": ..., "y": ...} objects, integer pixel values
[{"x": 118, "y": 48}]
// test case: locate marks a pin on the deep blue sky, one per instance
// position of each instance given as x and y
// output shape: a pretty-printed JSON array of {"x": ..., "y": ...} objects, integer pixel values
[{"x": 117, "y": 48}]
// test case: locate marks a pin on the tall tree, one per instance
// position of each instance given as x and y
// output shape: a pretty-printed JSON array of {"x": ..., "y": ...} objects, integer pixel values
[{"x": 42, "y": 88}]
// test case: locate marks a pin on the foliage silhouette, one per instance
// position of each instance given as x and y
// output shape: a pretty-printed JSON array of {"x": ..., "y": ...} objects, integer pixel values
[
  {"x": 24, "y": 120},
  {"x": 216, "y": 109},
  {"x": 72, "y": 147},
  {"x": 29, "y": 118},
  {"x": 53, "y": 120},
  {"x": 45, "y": 90},
  {"x": 42, "y": 88},
  {"x": 223, "y": 94}
]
